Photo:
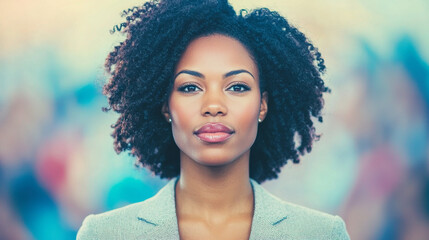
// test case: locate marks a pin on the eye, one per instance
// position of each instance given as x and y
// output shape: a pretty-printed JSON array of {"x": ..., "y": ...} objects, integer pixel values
[
  {"x": 239, "y": 88},
  {"x": 188, "y": 88}
]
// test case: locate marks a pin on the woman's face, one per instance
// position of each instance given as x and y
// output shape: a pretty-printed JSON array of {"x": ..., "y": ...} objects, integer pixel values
[{"x": 216, "y": 81}]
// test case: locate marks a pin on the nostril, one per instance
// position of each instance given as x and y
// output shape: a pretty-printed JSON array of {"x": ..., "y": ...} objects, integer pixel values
[
  {"x": 214, "y": 109},
  {"x": 214, "y": 113}
]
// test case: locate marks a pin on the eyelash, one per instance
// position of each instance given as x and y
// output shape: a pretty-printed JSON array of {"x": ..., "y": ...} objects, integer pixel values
[
  {"x": 241, "y": 85},
  {"x": 184, "y": 87}
]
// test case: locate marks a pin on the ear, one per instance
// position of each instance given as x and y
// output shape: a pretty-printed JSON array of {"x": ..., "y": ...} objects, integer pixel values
[
  {"x": 165, "y": 111},
  {"x": 263, "y": 109}
]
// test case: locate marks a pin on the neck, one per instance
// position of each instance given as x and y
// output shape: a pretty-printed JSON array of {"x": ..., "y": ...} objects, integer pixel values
[{"x": 214, "y": 190}]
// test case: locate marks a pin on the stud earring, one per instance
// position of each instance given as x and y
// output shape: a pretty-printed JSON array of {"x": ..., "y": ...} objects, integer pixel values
[
  {"x": 169, "y": 120},
  {"x": 259, "y": 120}
]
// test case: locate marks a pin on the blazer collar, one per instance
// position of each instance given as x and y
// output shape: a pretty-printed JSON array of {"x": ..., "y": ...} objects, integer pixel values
[
  {"x": 268, "y": 213},
  {"x": 160, "y": 211}
]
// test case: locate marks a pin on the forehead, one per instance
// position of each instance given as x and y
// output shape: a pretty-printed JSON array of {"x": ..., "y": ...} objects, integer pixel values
[{"x": 216, "y": 53}]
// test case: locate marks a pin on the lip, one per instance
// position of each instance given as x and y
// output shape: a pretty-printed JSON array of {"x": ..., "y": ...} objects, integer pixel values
[{"x": 214, "y": 132}]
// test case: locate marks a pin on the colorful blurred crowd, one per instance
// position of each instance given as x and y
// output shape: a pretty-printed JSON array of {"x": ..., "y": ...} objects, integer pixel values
[{"x": 370, "y": 166}]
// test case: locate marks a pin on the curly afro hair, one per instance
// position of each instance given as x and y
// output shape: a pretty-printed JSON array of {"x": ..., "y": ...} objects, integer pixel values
[{"x": 158, "y": 33}]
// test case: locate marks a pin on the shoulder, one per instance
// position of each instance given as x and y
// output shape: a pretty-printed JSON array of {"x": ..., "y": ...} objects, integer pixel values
[
  {"x": 116, "y": 222},
  {"x": 292, "y": 221},
  {"x": 134, "y": 220},
  {"x": 310, "y": 222}
]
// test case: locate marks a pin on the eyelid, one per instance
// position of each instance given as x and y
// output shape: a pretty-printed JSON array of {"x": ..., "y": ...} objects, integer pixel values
[
  {"x": 187, "y": 84},
  {"x": 240, "y": 83}
]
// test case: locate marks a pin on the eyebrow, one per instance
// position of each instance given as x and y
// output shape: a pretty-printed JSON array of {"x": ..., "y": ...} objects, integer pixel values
[{"x": 200, "y": 75}]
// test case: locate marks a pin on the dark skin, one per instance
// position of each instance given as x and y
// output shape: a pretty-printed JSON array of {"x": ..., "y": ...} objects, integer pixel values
[{"x": 216, "y": 81}]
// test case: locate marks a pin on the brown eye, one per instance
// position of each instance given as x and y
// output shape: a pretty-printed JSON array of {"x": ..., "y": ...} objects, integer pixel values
[
  {"x": 188, "y": 88},
  {"x": 239, "y": 88}
]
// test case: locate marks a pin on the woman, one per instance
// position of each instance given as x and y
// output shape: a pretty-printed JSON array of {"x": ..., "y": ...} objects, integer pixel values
[{"x": 213, "y": 101}]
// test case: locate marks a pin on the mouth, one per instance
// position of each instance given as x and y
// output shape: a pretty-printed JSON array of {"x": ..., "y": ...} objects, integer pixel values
[{"x": 214, "y": 133}]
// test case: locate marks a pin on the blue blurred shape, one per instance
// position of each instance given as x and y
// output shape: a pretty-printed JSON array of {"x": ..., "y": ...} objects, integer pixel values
[
  {"x": 129, "y": 190},
  {"x": 86, "y": 94},
  {"x": 37, "y": 209},
  {"x": 408, "y": 55}
]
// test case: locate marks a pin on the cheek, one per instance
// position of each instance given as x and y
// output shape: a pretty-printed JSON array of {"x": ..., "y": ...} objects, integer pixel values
[
  {"x": 183, "y": 111},
  {"x": 245, "y": 117}
]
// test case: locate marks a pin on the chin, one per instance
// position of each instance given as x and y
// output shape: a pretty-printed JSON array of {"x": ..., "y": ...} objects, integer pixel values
[
  {"x": 218, "y": 157},
  {"x": 213, "y": 157},
  {"x": 214, "y": 160}
]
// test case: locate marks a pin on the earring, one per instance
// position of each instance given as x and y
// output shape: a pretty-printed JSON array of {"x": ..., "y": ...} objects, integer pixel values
[
  {"x": 259, "y": 120},
  {"x": 169, "y": 120}
]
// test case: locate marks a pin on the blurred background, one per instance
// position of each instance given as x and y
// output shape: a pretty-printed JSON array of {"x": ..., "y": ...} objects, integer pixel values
[{"x": 57, "y": 162}]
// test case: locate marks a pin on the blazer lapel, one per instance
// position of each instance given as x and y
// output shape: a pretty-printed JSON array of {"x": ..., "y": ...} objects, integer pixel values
[
  {"x": 159, "y": 214},
  {"x": 268, "y": 214}
]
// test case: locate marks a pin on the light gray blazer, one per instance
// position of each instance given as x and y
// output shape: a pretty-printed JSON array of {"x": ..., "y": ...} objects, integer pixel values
[{"x": 155, "y": 218}]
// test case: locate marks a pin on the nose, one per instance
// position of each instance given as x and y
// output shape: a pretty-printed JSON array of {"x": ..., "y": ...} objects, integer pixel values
[{"x": 213, "y": 104}]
